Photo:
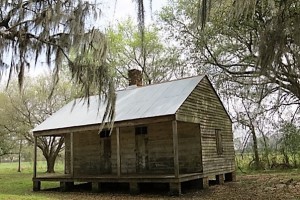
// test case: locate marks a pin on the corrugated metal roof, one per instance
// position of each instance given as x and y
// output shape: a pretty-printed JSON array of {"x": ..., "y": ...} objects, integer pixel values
[{"x": 134, "y": 103}]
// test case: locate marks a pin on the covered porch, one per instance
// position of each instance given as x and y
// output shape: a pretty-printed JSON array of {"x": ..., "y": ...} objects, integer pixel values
[{"x": 173, "y": 173}]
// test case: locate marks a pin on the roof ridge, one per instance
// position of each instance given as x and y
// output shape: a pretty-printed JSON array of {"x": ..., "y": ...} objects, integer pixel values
[
  {"x": 143, "y": 86},
  {"x": 180, "y": 79}
]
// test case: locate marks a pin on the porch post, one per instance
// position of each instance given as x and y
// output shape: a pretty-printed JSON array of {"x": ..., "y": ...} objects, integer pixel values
[
  {"x": 36, "y": 183},
  {"x": 201, "y": 152},
  {"x": 175, "y": 148},
  {"x": 35, "y": 157},
  {"x": 118, "y": 152},
  {"x": 71, "y": 154}
]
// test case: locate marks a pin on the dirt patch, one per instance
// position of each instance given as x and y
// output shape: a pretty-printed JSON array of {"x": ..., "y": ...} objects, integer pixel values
[{"x": 260, "y": 186}]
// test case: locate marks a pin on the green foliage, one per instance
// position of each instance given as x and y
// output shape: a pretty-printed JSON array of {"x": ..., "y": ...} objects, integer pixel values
[
  {"x": 277, "y": 152},
  {"x": 244, "y": 165},
  {"x": 7, "y": 139},
  {"x": 257, "y": 47},
  {"x": 158, "y": 61},
  {"x": 34, "y": 31},
  {"x": 289, "y": 142},
  {"x": 6, "y": 144},
  {"x": 28, "y": 108},
  {"x": 32, "y": 105}
]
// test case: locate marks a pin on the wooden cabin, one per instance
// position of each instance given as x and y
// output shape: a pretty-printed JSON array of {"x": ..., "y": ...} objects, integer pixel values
[{"x": 172, "y": 132}]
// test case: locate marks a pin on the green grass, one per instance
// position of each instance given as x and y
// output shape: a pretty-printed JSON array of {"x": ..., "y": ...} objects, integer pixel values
[
  {"x": 18, "y": 185},
  {"x": 243, "y": 167}
]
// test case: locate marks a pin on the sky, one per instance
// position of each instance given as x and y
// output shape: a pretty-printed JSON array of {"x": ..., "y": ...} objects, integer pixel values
[{"x": 116, "y": 10}]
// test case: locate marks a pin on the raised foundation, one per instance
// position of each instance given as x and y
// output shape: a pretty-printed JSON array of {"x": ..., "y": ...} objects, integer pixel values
[
  {"x": 36, "y": 185},
  {"x": 96, "y": 187},
  {"x": 134, "y": 181},
  {"x": 134, "y": 188},
  {"x": 220, "y": 179},
  {"x": 66, "y": 186},
  {"x": 205, "y": 183},
  {"x": 230, "y": 176},
  {"x": 175, "y": 188}
]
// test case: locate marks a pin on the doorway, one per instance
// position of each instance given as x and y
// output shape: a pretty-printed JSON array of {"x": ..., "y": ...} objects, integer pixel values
[
  {"x": 105, "y": 152},
  {"x": 141, "y": 149}
]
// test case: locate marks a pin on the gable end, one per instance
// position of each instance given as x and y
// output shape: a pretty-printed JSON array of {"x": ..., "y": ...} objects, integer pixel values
[{"x": 202, "y": 104}]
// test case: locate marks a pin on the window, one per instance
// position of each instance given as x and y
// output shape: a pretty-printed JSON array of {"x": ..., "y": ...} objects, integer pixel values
[
  {"x": 142, "y": 130},
  {"x": 105, "y": 133},
  {"x": 219, "y": 141}
]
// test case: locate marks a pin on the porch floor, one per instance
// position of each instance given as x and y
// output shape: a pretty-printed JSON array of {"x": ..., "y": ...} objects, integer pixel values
[{"x": 141, "y": 178}]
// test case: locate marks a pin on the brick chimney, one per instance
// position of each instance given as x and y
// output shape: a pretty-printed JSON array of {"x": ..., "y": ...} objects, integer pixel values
[{"x": 135, "y": 77}]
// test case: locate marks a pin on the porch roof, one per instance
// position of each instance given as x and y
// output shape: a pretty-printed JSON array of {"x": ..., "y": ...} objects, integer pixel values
[{"x": 132, "y": 103}]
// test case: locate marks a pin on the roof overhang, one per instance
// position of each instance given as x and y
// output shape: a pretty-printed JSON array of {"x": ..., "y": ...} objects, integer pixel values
[{"x": 126, "y": 123}]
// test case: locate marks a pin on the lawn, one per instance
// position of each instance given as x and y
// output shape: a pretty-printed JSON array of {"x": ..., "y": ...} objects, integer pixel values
[
  {"x": 259, "y": 185},
  {"x": 18, "y": 185}
]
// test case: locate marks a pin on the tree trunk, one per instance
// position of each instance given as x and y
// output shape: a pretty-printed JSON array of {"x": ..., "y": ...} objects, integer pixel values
[
  {"x": 255, "y": 150},
  {"x": 19, "y": 164},
  {"x": 51, "y": 152},
  {"x": 295, "y": 160},
  {"x": 286, "y": 159},
  {"x": 266, "y": 149},
  {"x": 50, "y": 164},
  {"x": 20, "y": 150}
]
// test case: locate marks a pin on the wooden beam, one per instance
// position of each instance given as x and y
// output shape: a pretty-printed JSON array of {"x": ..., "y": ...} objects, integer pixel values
[
  {"x": 36, "y": 185},
  {"x": 134, "y": 122},
  {"x": 35, "y": 157},
  {"x": 118, "y": 152},
  {"x": 184, "y": 118},
  {"x": 150, "y": 120},
  {"x": 175, "y": 148},
  {"x": 201, "y": 150},
  {"x": 67, "y": 154},
  {"x": 72, "y": 154},
  {"x": 175, "y": 188}
]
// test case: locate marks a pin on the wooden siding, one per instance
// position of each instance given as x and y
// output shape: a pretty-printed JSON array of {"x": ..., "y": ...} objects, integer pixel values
[
  {"x": 87, "y": 155},
  {"x": 204, "y": 106},
  {"x": 159, "y": 149},
  {"x": 67, "y": 154},
  {"x": 127, "y": 148},
  {"x": 88, "y": 151},
  {"x": 189, "y": 144}
]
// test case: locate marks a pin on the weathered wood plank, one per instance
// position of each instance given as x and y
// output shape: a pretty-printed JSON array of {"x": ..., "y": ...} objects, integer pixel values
[
  {"x": 118, "y": 151},
  {"x": 35, "y": 157},
  {"x": 203, "y": 106},
  {"x": 72, "y": 154},
  {"x": 136, "y": 122},
  {"x": 175, "y": 148}
]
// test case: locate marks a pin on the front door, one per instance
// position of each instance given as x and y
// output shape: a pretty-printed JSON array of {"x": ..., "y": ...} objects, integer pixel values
[
  {"x": 141, "y": 149},
  {"x": 105, "y": 152}
]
